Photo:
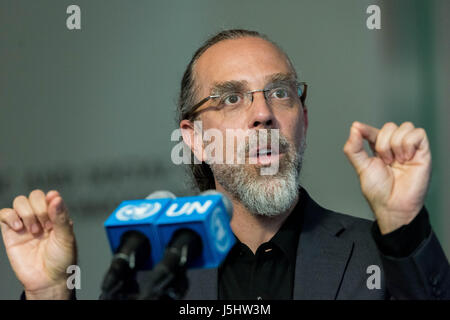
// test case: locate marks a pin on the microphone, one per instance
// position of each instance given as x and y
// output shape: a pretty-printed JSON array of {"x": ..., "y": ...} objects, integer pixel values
[
  {"x": 167, "y": 280},
  {"x": 196, "y": 234},
  {"x": 130, "y": 235},
  {"x": 208, "y": 215},
  {"x": 160, "y": 194},
  {"x": 133, "y": 251},
  {"x": 226, "y": 201},
  {"x": 140, "y": 216}
]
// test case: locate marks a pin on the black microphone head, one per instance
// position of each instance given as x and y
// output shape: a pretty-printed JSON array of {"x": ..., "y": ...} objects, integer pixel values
[
  {"x": 187, "y": 237},
  {"x": 135, "y": 242},
  {"x": 132, "y": 253}
]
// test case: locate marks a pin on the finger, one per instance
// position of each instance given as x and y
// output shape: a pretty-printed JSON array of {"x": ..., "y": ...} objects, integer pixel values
[
  {"x": 368, "y": 132},
  {"x": 383, "y": 143},
  {"x": 39, "y": 206},
  {"x": 25, "y": 212},
  {"x": 354, "y": 149},
  {"x": 9, "y": 217},
  {"x": 51, "y": 195},
  {"x": 59, "y": 216},
  {"x": 397, "y": 140},
  {"x": 415, "y": 140}
]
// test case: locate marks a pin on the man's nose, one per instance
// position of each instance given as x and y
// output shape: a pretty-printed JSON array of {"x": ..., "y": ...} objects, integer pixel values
[{"x": 261, "y": 113}]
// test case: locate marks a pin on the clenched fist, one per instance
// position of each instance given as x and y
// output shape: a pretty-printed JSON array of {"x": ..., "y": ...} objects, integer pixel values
[
  {"x": 395, "y": 180},
  {"x": 40, "y": 243}
]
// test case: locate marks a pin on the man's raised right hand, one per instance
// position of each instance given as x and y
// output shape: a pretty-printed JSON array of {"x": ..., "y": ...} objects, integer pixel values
[{"x": 40, "y": 243}]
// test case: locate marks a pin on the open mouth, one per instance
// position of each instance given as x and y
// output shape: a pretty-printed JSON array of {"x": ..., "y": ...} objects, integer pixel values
[{"x": 264, "y": 156}]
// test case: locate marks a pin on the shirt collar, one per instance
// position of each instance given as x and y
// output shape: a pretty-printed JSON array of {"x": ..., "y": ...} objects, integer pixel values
[{"x": 286, "y": 238}]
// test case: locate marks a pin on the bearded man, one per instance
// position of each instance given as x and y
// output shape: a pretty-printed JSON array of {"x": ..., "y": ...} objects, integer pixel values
[{"x": 288, "y": 246}]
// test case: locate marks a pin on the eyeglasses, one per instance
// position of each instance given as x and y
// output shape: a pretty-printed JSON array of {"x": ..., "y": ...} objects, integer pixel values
[{"x": 275, "y": 95}]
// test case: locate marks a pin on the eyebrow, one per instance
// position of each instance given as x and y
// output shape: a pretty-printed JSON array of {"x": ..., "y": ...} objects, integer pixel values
[
  {"x": 219, "y": 88},
  {"x": 280, "y": 77},
  {"x": 228, "y": 86}
]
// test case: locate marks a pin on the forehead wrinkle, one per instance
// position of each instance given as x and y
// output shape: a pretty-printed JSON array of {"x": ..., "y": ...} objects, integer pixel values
[{"x": 286, "y": 61}]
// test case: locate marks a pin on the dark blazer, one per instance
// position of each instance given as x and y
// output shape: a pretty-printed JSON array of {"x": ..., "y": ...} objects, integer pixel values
[{"x": 333, "y": 255}]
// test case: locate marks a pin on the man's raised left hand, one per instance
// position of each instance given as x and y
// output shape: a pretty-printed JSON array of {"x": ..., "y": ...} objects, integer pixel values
[{"x": 395, "y": 179}]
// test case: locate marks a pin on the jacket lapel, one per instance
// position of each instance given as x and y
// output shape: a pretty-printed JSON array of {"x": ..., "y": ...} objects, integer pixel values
[{"x": 321, "y": 255}]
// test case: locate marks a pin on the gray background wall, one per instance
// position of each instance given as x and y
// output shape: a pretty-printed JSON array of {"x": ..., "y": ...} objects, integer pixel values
[{"x": 90, "y": 112}]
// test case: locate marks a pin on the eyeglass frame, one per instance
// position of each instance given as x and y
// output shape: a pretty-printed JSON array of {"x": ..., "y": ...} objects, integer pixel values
[{"x": 191, "y": 114}]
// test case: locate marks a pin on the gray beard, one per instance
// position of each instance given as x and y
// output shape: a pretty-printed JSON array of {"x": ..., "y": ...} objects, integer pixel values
[{"x": 264, "y": 195}]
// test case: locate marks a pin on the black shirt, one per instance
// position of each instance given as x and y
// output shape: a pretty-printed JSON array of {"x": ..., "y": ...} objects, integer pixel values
[{"x": 269, "y": 273}]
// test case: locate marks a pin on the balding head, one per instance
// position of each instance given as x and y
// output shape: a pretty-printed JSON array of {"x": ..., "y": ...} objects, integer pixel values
[{"x": 191, "y": 87}]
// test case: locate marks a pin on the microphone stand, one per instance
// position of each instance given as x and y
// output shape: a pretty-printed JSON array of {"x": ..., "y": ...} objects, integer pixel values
[
  {"x": 124, "y": 288},
  {"x": 168, "y": 280}
]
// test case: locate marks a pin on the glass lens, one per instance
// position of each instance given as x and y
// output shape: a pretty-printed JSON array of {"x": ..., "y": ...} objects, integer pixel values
[
  {"x": 300, "y": 89},
  {"x": 231, "y": 100},
  {"x": 282, "y": 95}
]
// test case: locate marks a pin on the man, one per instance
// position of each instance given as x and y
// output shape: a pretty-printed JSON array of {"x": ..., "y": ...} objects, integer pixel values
[{"x": 288, "y": 246}]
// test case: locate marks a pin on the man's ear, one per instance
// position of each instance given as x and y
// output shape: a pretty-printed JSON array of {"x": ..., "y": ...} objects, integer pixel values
[
  {"x": 192, "y": 137},
  {"x": 305, "y": 118}
]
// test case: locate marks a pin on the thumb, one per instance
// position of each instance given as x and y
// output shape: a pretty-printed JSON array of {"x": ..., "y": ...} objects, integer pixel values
[
  {"x": 354, "y": 149},
  {"x": 59, "y": 216}
]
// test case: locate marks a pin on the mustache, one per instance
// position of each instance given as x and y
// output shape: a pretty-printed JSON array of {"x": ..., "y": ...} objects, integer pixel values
[{"x": 266, "y": 138}]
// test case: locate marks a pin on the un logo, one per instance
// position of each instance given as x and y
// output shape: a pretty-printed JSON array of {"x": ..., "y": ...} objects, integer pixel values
[
  {"x": 137, "y": 212},
  {"x": 218, "y": 229}
]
